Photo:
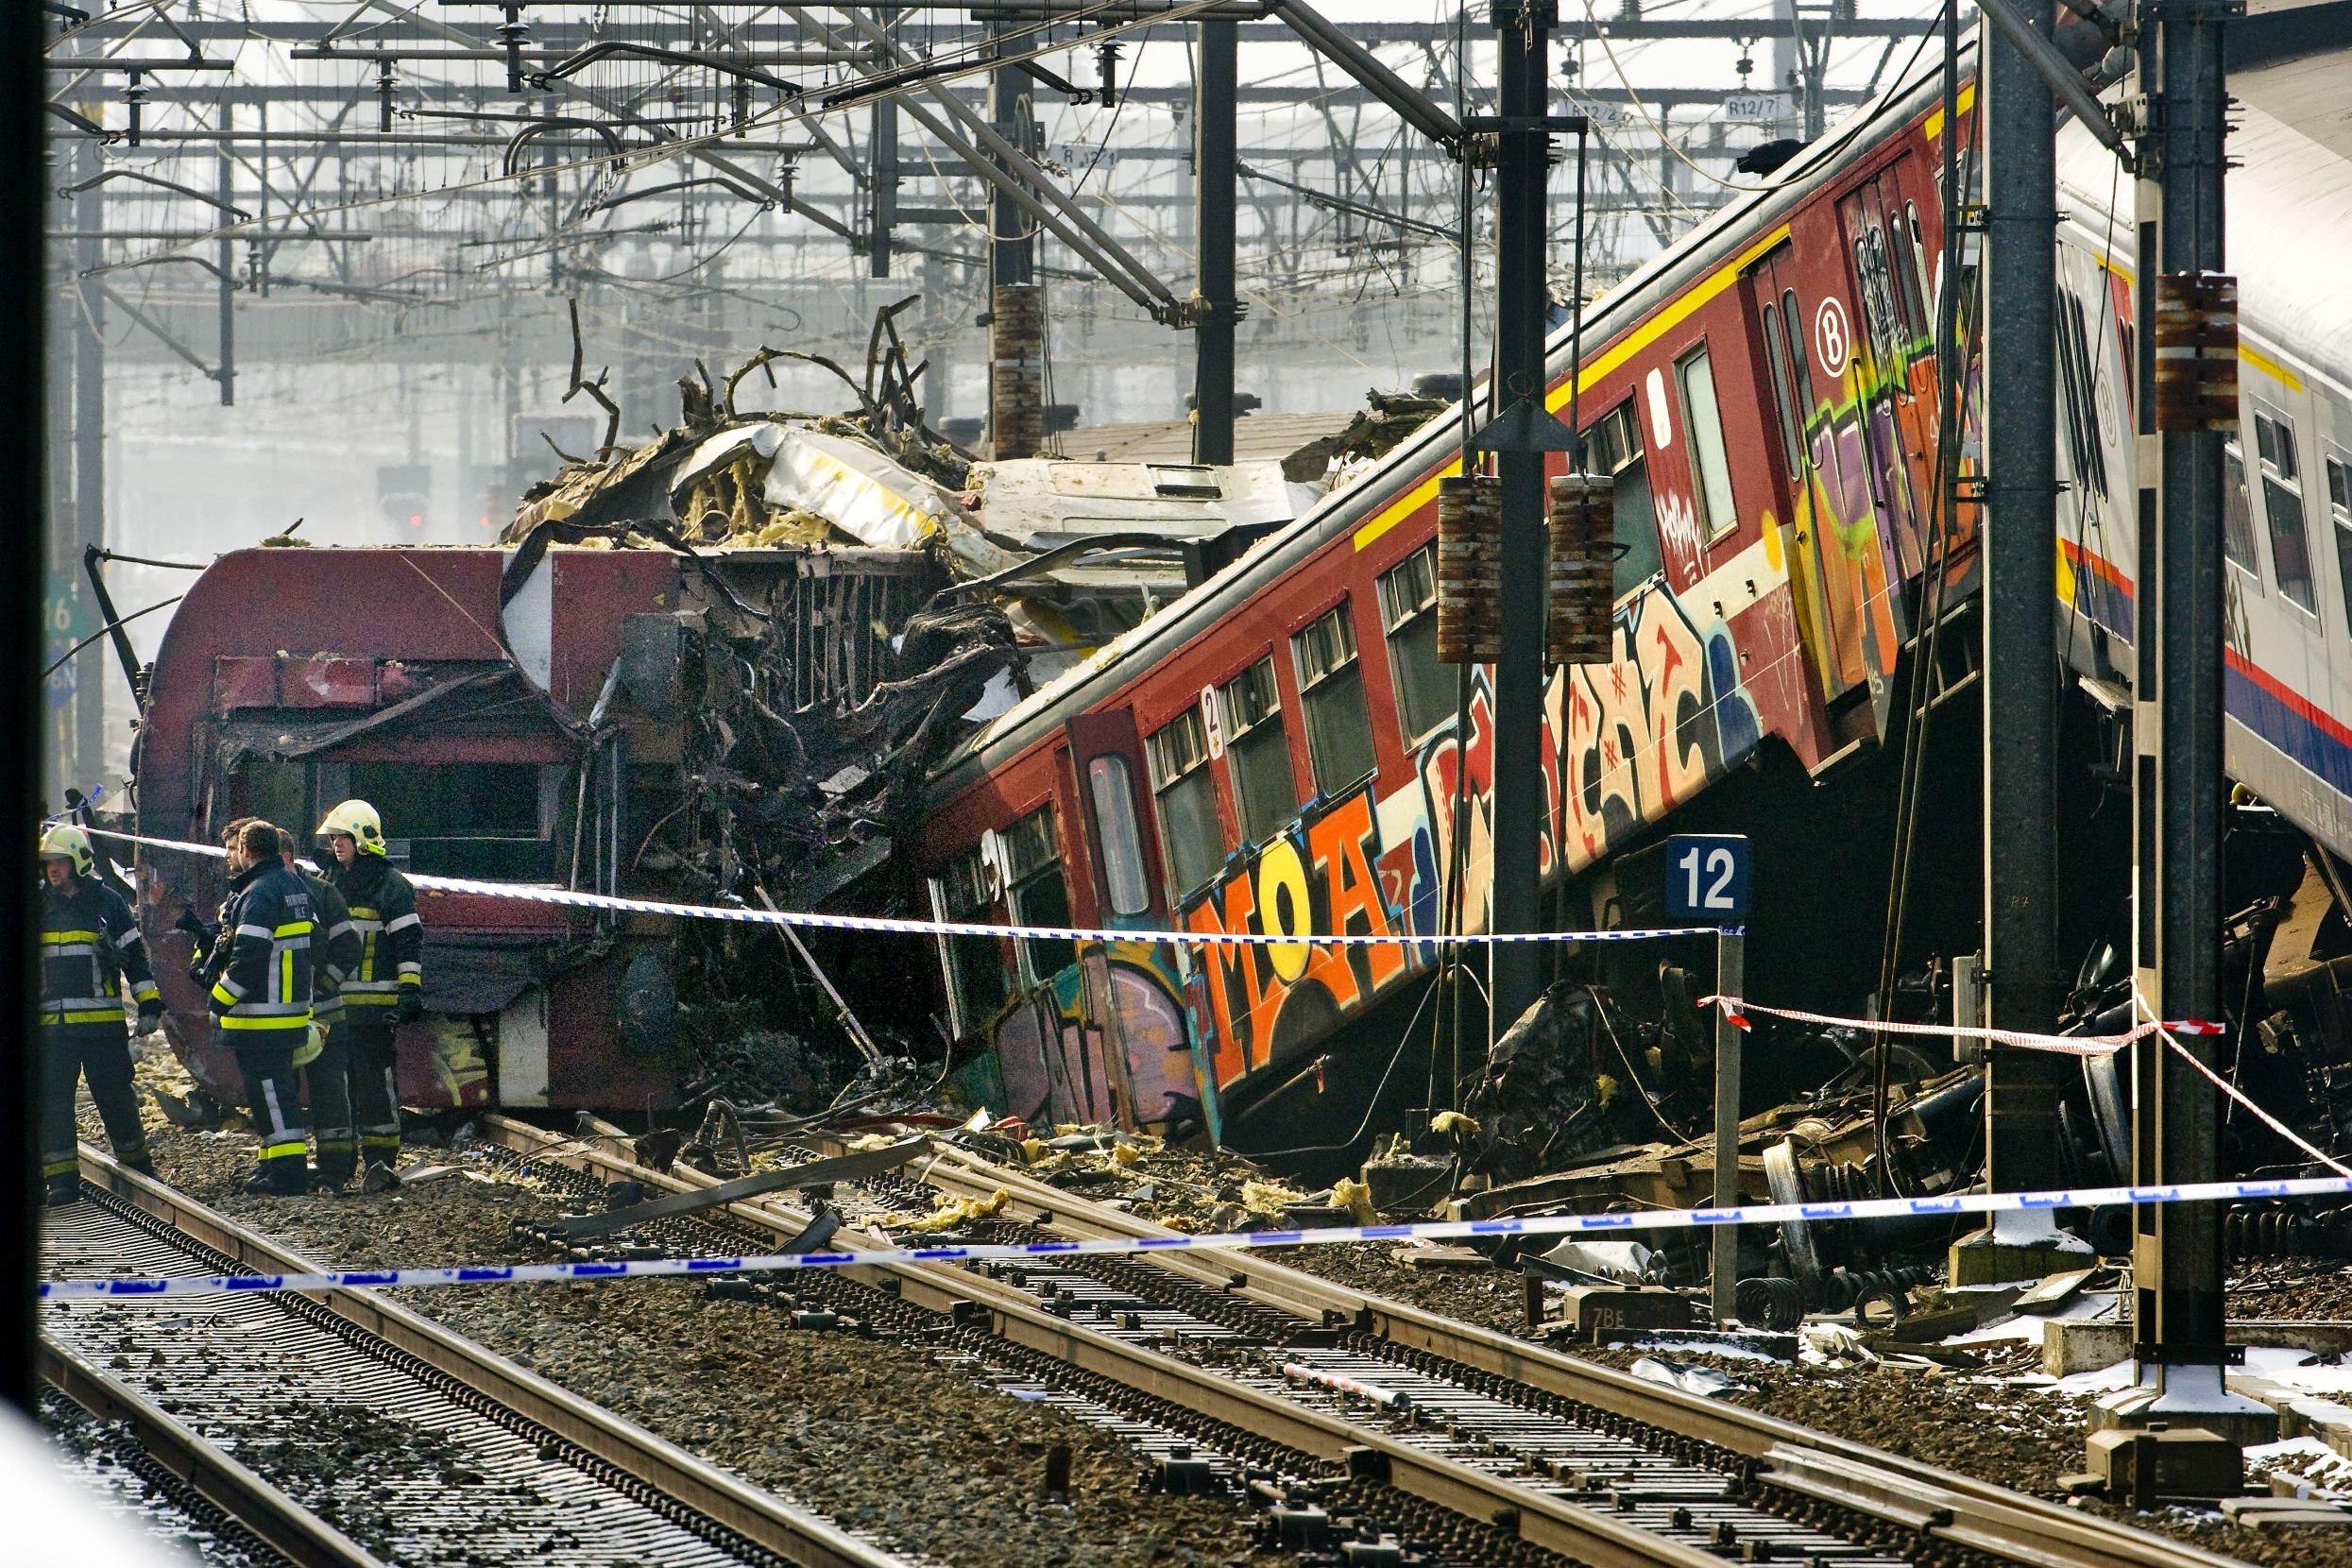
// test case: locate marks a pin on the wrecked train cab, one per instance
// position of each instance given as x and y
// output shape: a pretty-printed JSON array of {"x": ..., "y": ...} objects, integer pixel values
[{"x": 526, "y": 717}]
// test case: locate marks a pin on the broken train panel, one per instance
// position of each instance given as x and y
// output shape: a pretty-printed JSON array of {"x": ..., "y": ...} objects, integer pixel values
[{"x": 621, "y": 720}]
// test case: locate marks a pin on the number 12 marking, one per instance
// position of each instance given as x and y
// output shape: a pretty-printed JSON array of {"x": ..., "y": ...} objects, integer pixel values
[{"x": 1719, "y": 863}]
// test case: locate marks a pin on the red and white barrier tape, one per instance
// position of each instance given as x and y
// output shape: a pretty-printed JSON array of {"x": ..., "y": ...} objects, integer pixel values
[
  {"x": 2169, "y": 1030},
  {"x": 1738, "y": 1007}
]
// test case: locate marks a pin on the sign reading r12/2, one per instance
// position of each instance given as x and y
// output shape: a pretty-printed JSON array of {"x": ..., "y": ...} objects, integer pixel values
[{"x": 1706, "y": 877}]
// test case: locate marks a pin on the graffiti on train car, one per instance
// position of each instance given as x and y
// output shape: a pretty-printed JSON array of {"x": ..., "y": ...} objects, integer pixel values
[
  {"x": 1651, "y": 728},
  {"x": 1105, "y": 1041},
  {"x": 1643, "y": 733}
]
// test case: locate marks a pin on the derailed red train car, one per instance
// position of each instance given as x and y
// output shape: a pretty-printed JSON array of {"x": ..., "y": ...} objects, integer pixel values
[
  {"x": 515, "y": 716},
  {"x": 1280, "y": 752}
]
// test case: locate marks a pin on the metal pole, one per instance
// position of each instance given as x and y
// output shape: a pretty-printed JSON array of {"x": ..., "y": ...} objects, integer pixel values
[
  {"x": 1013, "y": 248},
  {"x": 1731, "y": 979},
  {"x": 1523, "y": 307},
  {"x": 2179, "y": 1317},
  {"x": 88, "y": 748},
  {"x": 1213, "y": 132},
  {"x": 23, "y": 193},
  {"x": 882, "y": 176},
  {"x": 226, "y": 260},
  {"x": 2020, "y": 685}
]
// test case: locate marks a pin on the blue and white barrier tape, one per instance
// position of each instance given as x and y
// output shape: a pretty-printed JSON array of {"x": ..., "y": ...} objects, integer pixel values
[
  {"x": 1451, "y": 1230},
  {"x": 886, "y": 924}
]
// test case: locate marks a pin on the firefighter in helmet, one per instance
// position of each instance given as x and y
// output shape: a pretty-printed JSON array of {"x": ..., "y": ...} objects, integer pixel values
[
  {"x": 334, "y": 954},
  {"x": 385, "y": 988},
  {"x": 261, "y": 999},
  {"x": 91, "y": 952}
]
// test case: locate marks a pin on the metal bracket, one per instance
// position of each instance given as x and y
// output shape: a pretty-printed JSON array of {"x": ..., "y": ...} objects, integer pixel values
[
  {"x": 1526, "y": 425},
  {"x": 1526, "y": 124}
]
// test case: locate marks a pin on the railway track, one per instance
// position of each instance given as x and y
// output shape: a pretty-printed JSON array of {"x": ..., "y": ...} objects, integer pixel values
[
  {"x": 1268, "y": 1371},
  {"x": 198, "y": 1484},
  {"x": 379, "y": 1421}
]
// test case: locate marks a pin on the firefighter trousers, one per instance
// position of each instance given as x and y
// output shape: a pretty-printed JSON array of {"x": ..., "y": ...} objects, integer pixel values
[
  {"x": 70, "y": 1052},
  {"x": 370, "y": 1059},
  {"x": 329, "y": 1081},
  {"x": 273, "y": 1091}
]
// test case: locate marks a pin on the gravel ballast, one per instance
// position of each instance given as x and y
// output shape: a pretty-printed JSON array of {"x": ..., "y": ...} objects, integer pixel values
[{"x": 874, "y": 1434}]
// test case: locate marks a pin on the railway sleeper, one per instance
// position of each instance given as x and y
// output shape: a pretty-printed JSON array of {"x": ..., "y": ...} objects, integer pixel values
[{"x": 551, "y": 1445}]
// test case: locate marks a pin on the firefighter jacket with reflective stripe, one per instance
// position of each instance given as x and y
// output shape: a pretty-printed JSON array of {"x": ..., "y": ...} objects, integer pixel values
[
  {"x": 334, "y": 947},
  {"x": 265, "y": 988},
  {"x": 392, "y": 938},
  {"x": 90, "y": 948}
]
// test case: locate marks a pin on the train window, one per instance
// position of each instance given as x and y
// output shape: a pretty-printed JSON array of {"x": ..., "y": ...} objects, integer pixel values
[
  {"x": 1800, "y": 375},
  {"x": 2076, "y": 372},
  {"x": 1613, "y": 446},
  {"x": 1711, "y": 465},
  {"x": 1425, "y": 689},
  {"x": 1791, "y": 419},
  {"x": 1192, "y": 841},
  {"x": 1908, "y": 292},
  {"x": 2237, "y": 522},
  {"x": 1258, "y": 752},
  {"x": 2340, "y": 508},
  {"x": 1331, "y": 690},
  {"x": 1034, "y": 873},
  {"x": 2282, "y": 503},
  {"x": 1878, "y": 298},
  {"x": 1118, "y": 835},
  {"x": 475, "y": 819},
  {"x": 1915, "y": 285},
  {"x": 976, "y": 977}
]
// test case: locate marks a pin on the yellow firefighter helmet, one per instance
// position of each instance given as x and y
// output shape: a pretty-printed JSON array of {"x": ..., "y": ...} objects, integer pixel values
[
  {"x": 358, "y": 819},
  {"x": 62, "y": 841}
]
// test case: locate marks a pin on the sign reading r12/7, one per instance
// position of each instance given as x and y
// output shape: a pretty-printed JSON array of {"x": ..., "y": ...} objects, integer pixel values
[{"x": 1706, "y": 877}]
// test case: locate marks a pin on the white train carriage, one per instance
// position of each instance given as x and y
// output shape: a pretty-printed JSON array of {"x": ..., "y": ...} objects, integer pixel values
[{"x": 2288, "y": 529}]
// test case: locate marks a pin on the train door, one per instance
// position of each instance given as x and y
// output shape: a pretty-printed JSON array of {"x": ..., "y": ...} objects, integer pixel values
[
  {"x": 1838, "y": 564},
  {"x": 1892, "y": 363},
  {"x": 1130, "y": 993}
]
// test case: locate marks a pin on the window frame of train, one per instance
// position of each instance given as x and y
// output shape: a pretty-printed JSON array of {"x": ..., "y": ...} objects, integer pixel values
[
  {"x": 2078, "y": 382},
  {"x": 1329, "y": 669},
  {"x": 1702, "y": 434},
  {"x": 1256, "y": 741},
  {"x": 962, "y": 892},
  {"x": 1613, "y": 443},
  {"x": 1408, "y": 623},
  {"x": 2277, "y": 463},
  {"x": 1785, "y": 412},
  {"x": 1032, "y": 866},
  {"x": 2336, "y": 465},
  {"x": 2237, "y": 545},
  {"x": 1183, "y": 785}
]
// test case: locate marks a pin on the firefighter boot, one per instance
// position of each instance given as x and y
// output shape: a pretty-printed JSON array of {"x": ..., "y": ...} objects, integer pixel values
[
  {"x": 279, "y": 1175},
  {"x": 336, "y": 1165}
]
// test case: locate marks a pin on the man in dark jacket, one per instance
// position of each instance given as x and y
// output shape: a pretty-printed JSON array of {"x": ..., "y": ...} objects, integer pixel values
[
  {"x": 261, "y": 999},
  {"x": 334, "y": 954},
  {"x": 91, "y": 953},
  {"x": 386, "y": 988}
]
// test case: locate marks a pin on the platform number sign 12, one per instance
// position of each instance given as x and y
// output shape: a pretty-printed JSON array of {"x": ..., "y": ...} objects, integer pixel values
[{"x": 1706, "y": 877}]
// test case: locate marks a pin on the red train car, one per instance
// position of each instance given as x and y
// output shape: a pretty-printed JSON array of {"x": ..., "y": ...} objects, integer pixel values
[
  {"x": 515, "y": 720},
  {"x": 1280, "y": 752}
]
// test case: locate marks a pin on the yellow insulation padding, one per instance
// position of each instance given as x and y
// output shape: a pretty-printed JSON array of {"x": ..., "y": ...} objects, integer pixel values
[{"x": 950, "y": 1213}]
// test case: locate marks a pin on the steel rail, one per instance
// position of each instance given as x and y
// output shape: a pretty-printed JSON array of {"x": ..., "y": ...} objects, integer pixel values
[
  {"x": 283, "y": 1525},
  {"x": 758, "y": 1517},
  {"x": 1943, "y": 1503},
  {"x": 1538, "y": 1517}
]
